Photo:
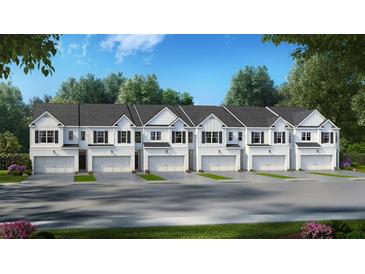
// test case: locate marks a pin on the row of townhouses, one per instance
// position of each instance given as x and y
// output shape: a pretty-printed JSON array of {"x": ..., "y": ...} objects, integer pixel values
[{"x": 65, "y": 138}]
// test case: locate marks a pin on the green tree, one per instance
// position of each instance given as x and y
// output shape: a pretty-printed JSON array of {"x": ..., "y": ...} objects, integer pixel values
[
  {"x": 27, "y": 51},
  {"x": 170, "y": 97},
  {"x": 186, "y": 99},
  {"x": 9, "y": 143},
  {"x": 358, "y": 106},
  {"x": 328, "y": 85},
  {"x": 14, "y": 114},
  {"x": 112, "y": 84},
  {"x": 39, "y": 100},
  {"x": 141, "y": 90},
  {"x": 252, "y": 87},
  {"x": 341, "y": 47}
]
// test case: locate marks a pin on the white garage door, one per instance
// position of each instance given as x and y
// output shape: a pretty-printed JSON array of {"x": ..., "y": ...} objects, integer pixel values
[
  {"x": 54, "y": 164},
  {"x": 316, "y": 162},
  {"x": 112, "y": 164},
  {"x": 166, "y": 163},
  {"x": 219, "y": 163},
  {"x": 268, "y": 162}
]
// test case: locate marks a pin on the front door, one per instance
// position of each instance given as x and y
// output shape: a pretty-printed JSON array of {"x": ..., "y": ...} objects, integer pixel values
[
  {"x": 136, "y": 161},
  {"x": 82, "y": 160}
]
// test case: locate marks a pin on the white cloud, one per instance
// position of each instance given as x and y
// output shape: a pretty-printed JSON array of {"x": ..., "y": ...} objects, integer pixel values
[
  {"x": 129, "y": 44},
  {"x": 72, "y": 47}
]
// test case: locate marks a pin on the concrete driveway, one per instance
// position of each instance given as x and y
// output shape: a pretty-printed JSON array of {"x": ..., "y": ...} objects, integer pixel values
[{"x": 54, "y": 201}]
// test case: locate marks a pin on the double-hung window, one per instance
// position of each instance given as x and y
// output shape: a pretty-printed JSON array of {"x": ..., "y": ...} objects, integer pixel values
[
  {"x": 82, "y": 135},
  {"x": 279, "y": 137},
  {"x": 230, "y": 136},
  {"x": 100, "y": 137},
  {"x": 306, "y": 136},
  {"x": 211, "y": 137},
  {"x": 179, "y": 137},
  {"x": 190, "y": 137},
  {"x": 257, "y": 137},
  {"x": 70, "y": 135},
  {"x": 240, "y": 136},
  {"x": 156, "y": 135},
  {"x": 124, "y": 137},
  {"x": 326, "y": 137},
  {"x": 46, "y": 136},
  {"x": 137, "y": 136}
]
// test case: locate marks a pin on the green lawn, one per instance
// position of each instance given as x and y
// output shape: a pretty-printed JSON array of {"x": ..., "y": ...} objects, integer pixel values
[
  {"x": 359, "y": 167},
  {"x": 227, "y": 231},
  {"x": 214, "y": 176},
  {"x": 274, "y": 175},
  {"x": 331, "y": 174},
  {"x": 84, "y": 178},
  {"x": 151, "y": 177},
  {"x": 5, "y": 178}
]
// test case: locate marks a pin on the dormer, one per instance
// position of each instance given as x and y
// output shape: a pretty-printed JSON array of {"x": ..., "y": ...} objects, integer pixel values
[{"x": 315, "y": 119}]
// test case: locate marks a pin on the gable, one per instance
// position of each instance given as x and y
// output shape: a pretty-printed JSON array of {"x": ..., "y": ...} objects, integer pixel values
[
  {"x": 178, "y": 125},
  {"x": 124, "y": 123},
  {"x": 313, "y": 120},
  {"x": 279, "y": 125},
  {"x": 328, "y": 125},
  {"x": 46, "y": 120},
  {"x": 212, "y": 124},
  {"x": 164, "y": 117}
]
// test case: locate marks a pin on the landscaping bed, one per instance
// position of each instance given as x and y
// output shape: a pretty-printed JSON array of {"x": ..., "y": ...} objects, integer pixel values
[
  {"x": 214, "y": 176},
  {"x": 5, "y": 178},
  {"x": 151, "y": 177},
  {"x": 84, "y": 178},
  {"x": 273, "y": 175},
  {"x": 331, "y": 174}
]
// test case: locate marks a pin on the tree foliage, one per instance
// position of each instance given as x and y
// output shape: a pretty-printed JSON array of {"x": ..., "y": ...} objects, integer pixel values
[
  {"x": 28, "y": 51},
  {"x": 9, "y": 143},
  {"x": 14, "y": 114},
  {"x": 347, "y": 48},
  {"x": 328, "y": 85},
  {"x": 252, "y": 86},
  {"x": 39, "y": 100}
]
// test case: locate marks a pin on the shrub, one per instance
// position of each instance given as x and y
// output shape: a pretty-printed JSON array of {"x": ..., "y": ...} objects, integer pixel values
[
  {"x": 7, "y": 159},
  {"x": 17, "y": 230},
  {"x": 134, "y": 171},
  {"x": 346, "y": 163},
  {"x": 201, "y": 171},
  {"x": 15, "y": 169},
  {"x": 45, "y": 235},
  {"x": 316, "y": 231},
  {"x": 354, "y": 235},
  {"x": 340, "y": 228},
  {"x": 90, "y": 172},
  {"x": 76, "y": 173},
  {"x": 28, "y": 172},
  {"x": 147, "y": 171}
]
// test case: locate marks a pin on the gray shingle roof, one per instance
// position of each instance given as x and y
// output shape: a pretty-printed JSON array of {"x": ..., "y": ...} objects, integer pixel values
[
  {"x": 156, "y": 144},
  {"x": 102, "y": 114},
  {"x": 67, "y": 114},
  {"x": 293, "y": 115},
  {"x": 199, "y": 113},
  {"x": 253, "y": 116},
  {"x": 308, "y": 144}
]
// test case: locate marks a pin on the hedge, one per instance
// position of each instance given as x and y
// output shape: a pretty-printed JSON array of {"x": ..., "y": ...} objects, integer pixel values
[
  {"x": 355, "y": 157},
  {"x": 6, "y": 159}
]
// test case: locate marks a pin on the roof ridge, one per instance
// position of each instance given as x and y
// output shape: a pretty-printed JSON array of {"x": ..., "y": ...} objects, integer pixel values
[
  {"x": 186, "y": 115},
  {"x": 139, "y": 117}
]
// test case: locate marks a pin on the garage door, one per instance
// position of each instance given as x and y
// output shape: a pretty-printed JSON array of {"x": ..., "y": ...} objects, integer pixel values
[
  {"x": 316, "y": 162},
  {"x": 166, "y": 163},
  {"x": 268, "y": 162},
  {"x": 112, "y": 164},
  {"x": 219, "y": 163},
  {"x": 54, "y": 164}
]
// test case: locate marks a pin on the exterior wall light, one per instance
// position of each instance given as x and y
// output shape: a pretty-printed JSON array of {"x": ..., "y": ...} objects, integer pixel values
[
  {"x": 54, "y": 152},
  {"x": 167, "y": 151},
  {"x": 317, "y": 150},
  {"x": 269, "y": 150}
]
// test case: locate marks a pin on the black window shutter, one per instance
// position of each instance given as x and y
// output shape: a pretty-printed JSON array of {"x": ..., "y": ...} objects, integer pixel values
[
  {"x": 36, "y": 137},
  {"x": 262, "y": 137},
  {"x": 106, "y": 137},
  {"x": 128, "y": 136},
  {"x": 184, "y": 137},
  {"x": 275, "y": 137},
  {"x": 331, "y": 137},
  {"x": 220, "y": 137},
  {"x": 252, "y": 137},
  {"x": 94, "y": 137},
  {"x": 173, "y": 137},
  {"x": 203, "y": 137},
  {"x": 119, "y": 136},
  {"x": 322, "y": 137},
  {"x": 283, "y": 141},
  {"x": 56, "y": 136}
]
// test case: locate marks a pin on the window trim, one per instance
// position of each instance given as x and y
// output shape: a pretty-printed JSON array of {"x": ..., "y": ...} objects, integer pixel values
[
  {"x": 212, "y": 137},
  {"x": 138, "y": 137},
  {"x": 240, "y": 136},
  {"x": 230, "y": 136},
  {"x": 46, "y": 134},
  {"x": 70, "y": 135},
  {"x": 306, "y": 136},
  {"x": 190, "y": 137},
  {"x": 83, "y": 135},
  {"x": 257, "y": 137},
  {"x": 155, "y": 136}
]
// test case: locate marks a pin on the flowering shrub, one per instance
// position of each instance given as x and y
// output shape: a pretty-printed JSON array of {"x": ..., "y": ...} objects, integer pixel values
[
  {"x": 346, "y": 163},
  {"x": 317, "y": 231},
  {"x": 15, "y": 169},
  {"x": 16, "y": 230}
]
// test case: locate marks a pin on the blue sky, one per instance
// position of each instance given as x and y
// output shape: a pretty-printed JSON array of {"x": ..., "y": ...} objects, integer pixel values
[{"x": 203, "y": 65}]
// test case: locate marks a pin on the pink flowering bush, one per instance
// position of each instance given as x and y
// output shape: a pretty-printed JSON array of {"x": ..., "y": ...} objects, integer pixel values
[
  {"x": 15, "y": 169},
  {"x": 16, "y": 230},
  {"x": 317, "y": 231}
]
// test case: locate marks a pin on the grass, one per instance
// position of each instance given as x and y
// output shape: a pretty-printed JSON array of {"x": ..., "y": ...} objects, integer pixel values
[
  {"x": 84, "y": 178},
  {"x": 359, "y": 167},
  {"x": 331, "y": 174},
  {"x": 151, "y": 177},
  {"x": 278, "y": 176},
  {"x": 226, "y": 231},
  {"x": 214, "y": 176},
  {"x": 5, "y": 178}
]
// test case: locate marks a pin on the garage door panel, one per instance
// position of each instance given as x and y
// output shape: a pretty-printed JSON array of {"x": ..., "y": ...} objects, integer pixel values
[
  {"x": 218, "y": 163},
  {"x": 166, "y": 163},
  {"x": 268, "y": 162},
  {"x": 316, "y": 162},
  {"x": 54, "y": 164},
  {"x": 111, "y": 163}
]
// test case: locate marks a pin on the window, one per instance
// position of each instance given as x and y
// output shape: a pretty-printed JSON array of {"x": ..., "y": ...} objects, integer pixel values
[
  {"x": 124, "y": 137},
  {"x": 306, "y": 136},
  {"x": 325, "y": 137},
  {"x": 279, "y": 137},
  {"x": 100, "y": 137},
  {"x": 178, "y": 137},
  {"x": 70, "y": 135},
  {"x": 155, "y": 135},
  {"x": 240, "y": 136},
  {"x": 289, "y": 137},
  {"x": 190, "y": 137},
  {"x": 82, "y": 135},
  {"x": 137, "y": 137},
  {"x": 257, "y": 137},
  {"x": 230, "y": 136},
  {"x": 43, "y": 136},
  {"x": 211, "y": 137}
]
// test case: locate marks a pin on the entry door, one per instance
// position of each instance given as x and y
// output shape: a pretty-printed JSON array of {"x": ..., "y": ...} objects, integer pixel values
[{"x": 136, "y": 161}]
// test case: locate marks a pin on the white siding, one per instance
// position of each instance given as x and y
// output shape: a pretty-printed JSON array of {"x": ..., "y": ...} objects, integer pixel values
[
  {"x": 314, "y": 119},
  {"x": 165, "y": 117}
]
